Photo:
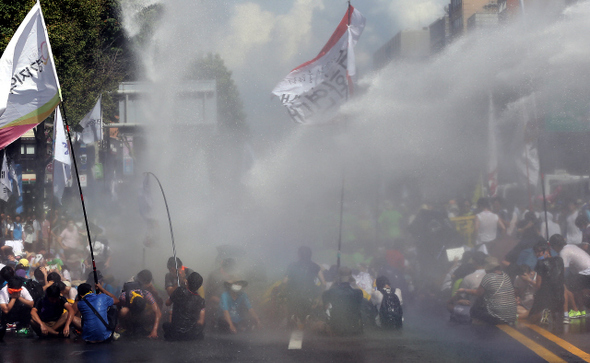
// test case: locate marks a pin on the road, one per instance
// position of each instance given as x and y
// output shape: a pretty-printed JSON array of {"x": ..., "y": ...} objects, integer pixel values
[{"x": 427, "y": 336}]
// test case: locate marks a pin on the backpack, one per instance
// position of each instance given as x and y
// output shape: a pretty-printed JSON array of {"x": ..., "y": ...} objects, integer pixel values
[
  {"x": 390, "y": 312},
  {"x": 35, "y": 289}
]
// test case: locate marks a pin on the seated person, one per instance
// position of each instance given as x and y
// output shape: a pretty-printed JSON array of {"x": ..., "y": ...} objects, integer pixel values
[
  {"x": 344, "y": 305},
  {"x": 188, "y": 315},
  {"x": 133, "y": 301},
  {"x": 16, "y": 304},
  {"x": 171, "y": 280},
  {"x": 389, "y": 307},
  {"x": 68, "y": 291},
  {"x": 50, "y": 314},
  {"x": 525, "y": 287},
  {"x": 235, "y": 310},
  {"x": 93, "y": 328},
  {"x": 550, "y": 294},
  {"x": 497, "y": 303}
]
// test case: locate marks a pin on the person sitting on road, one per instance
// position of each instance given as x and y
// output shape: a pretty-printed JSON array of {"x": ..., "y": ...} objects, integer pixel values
[
  {"x": 215, "y": 287},
  {"x": 49, "y": 316},
  {"x": 68, "y": 291},
  {"x": 498, "y": 302},
  {"x": 388, "y": 304},
  {"x": 550, "y": 294},
  {"x": 576, "y": 263},
  {"x": 133, "y": 300},
  {"x": 188, "y": 315},
  {"x": 93, "y": 328},
  {"x": 170, "y": 280},
  {"x": 344, "y": 305},
  {"x": 300, "y": 286},
  {"x": 235, "y": 310},
  {"x": 16, "y": 303},
  {"x": 525, "y": 286}
]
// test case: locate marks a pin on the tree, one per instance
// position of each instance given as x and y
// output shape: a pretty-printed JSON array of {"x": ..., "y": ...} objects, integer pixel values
[
  {"x": 230, "y": 109},
  {"x": 88, "y": 45}
]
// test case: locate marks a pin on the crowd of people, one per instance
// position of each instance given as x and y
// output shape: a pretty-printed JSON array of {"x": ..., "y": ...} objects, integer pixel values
[
  {"x": 514, "y": 272},
  {"x": 507, "y": 270}
]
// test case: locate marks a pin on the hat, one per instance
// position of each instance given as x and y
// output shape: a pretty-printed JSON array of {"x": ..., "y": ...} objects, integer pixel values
[
  {"x": 237, "y": 281},
  {"x": 491, "y": 263},
  {"x": 344, "y": 274},
  {"x": 24, "y": 262}
]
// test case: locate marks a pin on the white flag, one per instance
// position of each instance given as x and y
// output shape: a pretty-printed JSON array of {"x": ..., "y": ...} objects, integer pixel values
[
  {"x": 5, "y": 174},
  {"x": 527, "y": 161},
  {"x": 92, "y": 124},
  {"x": 13, "y": 176},
  {"x": 313, "y": 91},
  {"x": 61, "y": 151},
  {"x": 29, "y": 87}
]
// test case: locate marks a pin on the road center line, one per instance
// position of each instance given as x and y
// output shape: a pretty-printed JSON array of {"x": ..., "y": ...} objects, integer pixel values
[
  {"x": 296, "y": 339},
  {"x": 557, "y": 340},
  {"x": 529, "y": 343}
]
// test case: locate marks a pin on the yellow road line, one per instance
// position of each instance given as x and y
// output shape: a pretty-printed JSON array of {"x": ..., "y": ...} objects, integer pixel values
[
  {"x": 529, "y": 343},
  {"x": 562, "y": 343}
]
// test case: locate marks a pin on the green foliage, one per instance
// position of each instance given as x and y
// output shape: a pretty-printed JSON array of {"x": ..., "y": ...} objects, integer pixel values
[
  {"x": 88, "y": 46},
  {"x": 230, "y": 109}
]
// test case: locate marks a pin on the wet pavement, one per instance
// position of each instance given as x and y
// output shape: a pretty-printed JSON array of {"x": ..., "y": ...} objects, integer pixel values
[{"x": 427, "y": 336}]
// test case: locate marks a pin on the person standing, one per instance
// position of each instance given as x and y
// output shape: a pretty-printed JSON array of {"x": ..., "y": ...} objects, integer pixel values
[
  {"x": 573, "y": 233},
  {"x": 486, "y": 226}
]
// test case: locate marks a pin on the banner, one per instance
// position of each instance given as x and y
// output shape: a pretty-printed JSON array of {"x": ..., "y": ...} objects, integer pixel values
[
  {"x": 61, "y": 158},
  {"x": 61, "y": 151},
  {"x": 527, "y": 161},
  {"x": 29, "y": 87},
  {"x": 5, "y": 173},
  {"x": 313, "y": 91},
  {"x": 92, "y": 124}
]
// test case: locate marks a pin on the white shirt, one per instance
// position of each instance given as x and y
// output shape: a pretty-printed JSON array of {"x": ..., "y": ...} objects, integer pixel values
[
  {"x": 575, "y": 258},
  {"x": 488, "y": 226},
  {"x": 5, "y": 297},
  {"x": 473, "y": 280},
  {"x": 574, "y": 235},
  {"x": 554, "y": 228}
]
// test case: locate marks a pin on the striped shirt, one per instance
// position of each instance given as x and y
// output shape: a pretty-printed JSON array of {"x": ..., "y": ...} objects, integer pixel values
[{"x": 499, "y": 296}]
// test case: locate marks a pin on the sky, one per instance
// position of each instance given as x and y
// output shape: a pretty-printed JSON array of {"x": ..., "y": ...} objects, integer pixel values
[{"x": 261, "y": 41}]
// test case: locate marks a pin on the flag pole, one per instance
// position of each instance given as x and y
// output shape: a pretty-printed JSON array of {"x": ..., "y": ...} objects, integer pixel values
[
  {"x": 81, "y": 195},
  {"x": 340, "y": 227},
  {"x": 170, "y": 223}
]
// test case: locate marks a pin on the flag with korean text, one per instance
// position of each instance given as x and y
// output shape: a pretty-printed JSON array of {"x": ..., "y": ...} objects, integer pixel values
[
  {"x": 314, "y": 91},
  {"x": 29, "y": 87},
  {"x": 92, "y": 124}
]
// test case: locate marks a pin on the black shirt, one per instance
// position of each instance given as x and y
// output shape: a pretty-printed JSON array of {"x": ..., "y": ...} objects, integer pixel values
[
  {"x": 345, "y": 315},
  {"x": 49, "y": 311},
  {"x": 186, "y": 311},
  {"x": 301, "y": 277}
]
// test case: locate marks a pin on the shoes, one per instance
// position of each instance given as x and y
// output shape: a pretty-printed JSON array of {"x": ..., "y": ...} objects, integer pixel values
[
  {"x": 545, "y": 316},
  {"x": 583, "y": 314},
  {"x": 24, "y": 332},
  {"x": 566, "y": 319},
  {"x": 116, "y": 336}
]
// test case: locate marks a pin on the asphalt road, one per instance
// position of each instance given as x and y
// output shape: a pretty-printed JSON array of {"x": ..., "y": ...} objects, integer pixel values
[{"x": 427, "y": 336}]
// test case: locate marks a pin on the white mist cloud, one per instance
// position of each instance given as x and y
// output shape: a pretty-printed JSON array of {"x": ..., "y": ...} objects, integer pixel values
[
  {"x": 416, "y": 13},
  {"x": 276, "y": 36}
]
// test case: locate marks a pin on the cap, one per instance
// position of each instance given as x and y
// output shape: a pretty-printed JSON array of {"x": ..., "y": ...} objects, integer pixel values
[{"x": 24, "y": 262}]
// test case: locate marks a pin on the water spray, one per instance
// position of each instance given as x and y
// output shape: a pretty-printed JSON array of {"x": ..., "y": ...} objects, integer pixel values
[{"x": 147, "y": 173}]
